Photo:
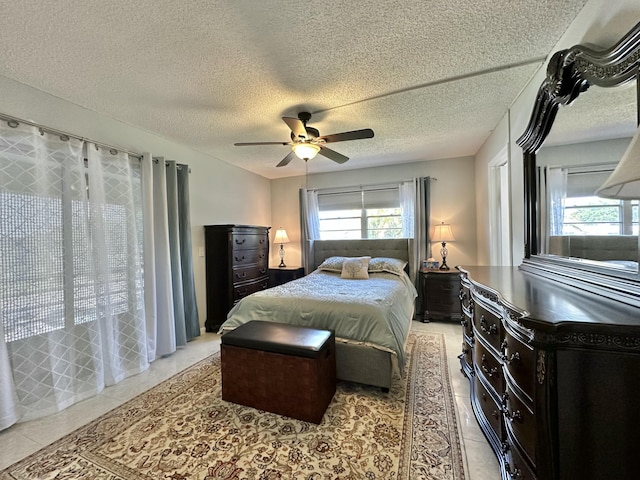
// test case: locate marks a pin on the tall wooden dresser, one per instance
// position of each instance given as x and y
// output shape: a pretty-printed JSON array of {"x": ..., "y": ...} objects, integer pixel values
[
  {"x": 237, "y": 264},
  {"x": 555, "y": 376}
]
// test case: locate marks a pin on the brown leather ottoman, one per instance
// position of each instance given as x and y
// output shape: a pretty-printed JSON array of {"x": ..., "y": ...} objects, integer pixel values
[{"x": 279, "y": 368}]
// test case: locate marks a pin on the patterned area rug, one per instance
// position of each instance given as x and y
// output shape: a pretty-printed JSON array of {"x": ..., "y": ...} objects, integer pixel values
[{"x": 182, "y": 430}]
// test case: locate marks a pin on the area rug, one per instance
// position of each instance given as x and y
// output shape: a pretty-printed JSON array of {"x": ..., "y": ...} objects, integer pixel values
[{"x": 182, "y": 430}]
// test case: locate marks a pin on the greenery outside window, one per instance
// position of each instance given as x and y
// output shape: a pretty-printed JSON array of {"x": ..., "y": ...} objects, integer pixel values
[{"x": 591, "y": 215}]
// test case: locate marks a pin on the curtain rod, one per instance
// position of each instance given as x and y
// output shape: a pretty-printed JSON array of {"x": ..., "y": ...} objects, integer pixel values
[
  {"x": 54, "y": 131},
  {"x": 355, "y": 188}
]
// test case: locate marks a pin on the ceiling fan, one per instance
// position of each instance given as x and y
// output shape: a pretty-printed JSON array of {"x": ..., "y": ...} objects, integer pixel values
[{"x": 306, "y": 141}]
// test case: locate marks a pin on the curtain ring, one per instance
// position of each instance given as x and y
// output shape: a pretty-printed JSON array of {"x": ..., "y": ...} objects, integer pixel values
[
  {"x": 41, "y": 131},
  {"x": 12, "y": 123},
  {"x": 64, "y": 138},
  {"x": 113, "y": 151}
]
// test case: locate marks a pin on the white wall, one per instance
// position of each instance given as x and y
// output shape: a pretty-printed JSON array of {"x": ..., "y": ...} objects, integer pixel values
[
  {"x": 452, "y": 201},
  {"x": 219, "y": 192},
  {"x": 492, "y": 147}
]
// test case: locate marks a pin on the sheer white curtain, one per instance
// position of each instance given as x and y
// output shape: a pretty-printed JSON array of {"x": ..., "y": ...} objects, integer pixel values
[
  {"x": 71, "y": 300},
  {"x": 553, "y": 191},
  {"x": 557, "y": 188},
  {"x": 407, "y": 205},
  {"x": 309, "y": 224}
]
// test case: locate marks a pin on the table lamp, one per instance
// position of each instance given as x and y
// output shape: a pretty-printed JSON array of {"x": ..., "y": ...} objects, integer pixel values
[
  {"x": 281, "y": 238},
  {"x": 443, "y": 234}
]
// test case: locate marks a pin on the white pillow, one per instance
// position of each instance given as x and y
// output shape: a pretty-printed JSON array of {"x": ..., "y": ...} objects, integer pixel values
[
  {"x": 332, "y": 264},
  {"x": 385, "y": 264},
  {"x": 355, "y": 268}
]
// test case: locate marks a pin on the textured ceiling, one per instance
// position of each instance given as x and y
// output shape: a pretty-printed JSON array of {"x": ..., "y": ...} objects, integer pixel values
[{"x": 431, "y": 78}]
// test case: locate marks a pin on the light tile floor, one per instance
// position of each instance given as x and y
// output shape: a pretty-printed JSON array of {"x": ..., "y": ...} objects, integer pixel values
[{"x": 24, "y": 439}]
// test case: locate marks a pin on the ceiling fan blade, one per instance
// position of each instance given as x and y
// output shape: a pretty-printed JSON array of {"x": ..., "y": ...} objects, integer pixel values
[
  {"x": 297, "y": 127},
  {"x": 286, "y": 160},
  {"x": 353, "y": 135},
  {"x": 261, "y": 143},
  {"x": 333, "y": 155}
]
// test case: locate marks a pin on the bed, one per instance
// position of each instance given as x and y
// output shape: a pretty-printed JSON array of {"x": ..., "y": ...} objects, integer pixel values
[{"x": 371, "y": 317}]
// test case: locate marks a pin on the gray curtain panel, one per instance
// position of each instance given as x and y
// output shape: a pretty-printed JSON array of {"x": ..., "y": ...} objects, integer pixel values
[
  {"x": 421, "y": 236},
  {"x": 184, "y": 299},
  {"x": 192, "y": 322}
]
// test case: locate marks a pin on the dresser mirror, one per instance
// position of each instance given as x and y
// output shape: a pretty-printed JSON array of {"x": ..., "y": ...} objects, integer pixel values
[
  {"x": 582, "y": 150},
  {"x": 584, "y": 117}
]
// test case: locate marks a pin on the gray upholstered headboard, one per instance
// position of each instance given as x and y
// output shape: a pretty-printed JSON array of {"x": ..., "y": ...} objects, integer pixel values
[
  {"x": 383, "y": 247},
  {"x": 595, "y": 247}
]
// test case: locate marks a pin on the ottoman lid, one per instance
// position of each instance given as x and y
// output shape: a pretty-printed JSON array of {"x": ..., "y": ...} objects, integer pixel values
[{"x": 278, "y": 338}]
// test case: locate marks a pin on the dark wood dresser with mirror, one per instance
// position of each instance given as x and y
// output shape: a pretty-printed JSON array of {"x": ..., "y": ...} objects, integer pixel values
[
  {"x": 555, "y": 375},
  {"x": 237, "y": 264},
  {"x": 552, "y": 347}
]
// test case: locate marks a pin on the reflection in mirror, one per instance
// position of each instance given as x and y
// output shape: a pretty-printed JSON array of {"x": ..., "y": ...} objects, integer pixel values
[{"x": 586, "y": 142}]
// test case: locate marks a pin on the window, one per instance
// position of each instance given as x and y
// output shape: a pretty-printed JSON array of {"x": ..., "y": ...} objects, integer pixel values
[
  {"x": 588, "y": 214},
  {"x": 369, "y": 212},
  {"x": 51, "y": 277},
  {"x": 600, "y": 216}
]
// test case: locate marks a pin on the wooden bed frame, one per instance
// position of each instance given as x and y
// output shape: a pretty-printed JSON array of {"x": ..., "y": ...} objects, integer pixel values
[{"x": 354, "y": 362}]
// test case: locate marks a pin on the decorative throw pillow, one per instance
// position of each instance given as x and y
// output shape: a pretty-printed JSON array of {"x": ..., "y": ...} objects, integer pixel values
[
  {"x": 385, "y": 264},
  {"x": 356, "y": 268},
  {"x": 332, "y": 264}
]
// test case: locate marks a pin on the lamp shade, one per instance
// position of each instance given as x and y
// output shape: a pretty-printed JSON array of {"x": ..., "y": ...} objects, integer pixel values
[
  {"x": 624, "y": 182},
  {"x": 443, "y": 233},
  {"x": 281, "y": 236},
  {"x": 305, "y": 151}
]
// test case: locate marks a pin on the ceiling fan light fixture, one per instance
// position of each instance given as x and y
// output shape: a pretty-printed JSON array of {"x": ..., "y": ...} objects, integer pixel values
[{"x": 305, "y": 151}]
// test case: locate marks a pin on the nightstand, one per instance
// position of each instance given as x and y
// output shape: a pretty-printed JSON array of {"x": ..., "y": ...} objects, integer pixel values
[
  {"x": 280, "y": 275},
  {"x": 441, "y": 294}
]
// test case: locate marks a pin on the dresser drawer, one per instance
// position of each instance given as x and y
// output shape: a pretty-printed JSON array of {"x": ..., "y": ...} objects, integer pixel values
[
  {"x": 245, "y": 241},
  {"x": 489, "y": 366},
  {"x": 465, "y": 297},
  {"x": 521, "y": 422},
  {"x": 241, "y": 258},
  {"x": 467, "y": 322},
  {"x": 467, "y": 354},
  {"x": 491, "y": 410},
  {"x": 521, "y": 364},
  {"x": 245, "y": 274},
  {"x": 241, "y": 291},
  {"x": 515, "y": 464},
  {"x": 488, "y": 326}
]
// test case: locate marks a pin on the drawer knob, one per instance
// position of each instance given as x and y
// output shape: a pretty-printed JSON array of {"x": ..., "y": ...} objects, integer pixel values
[
  {"x": 485, "y": 327},
  {"x": 514, "y": 416},
  {"x": 489, "y": 371},
  {"x": 240, "y": 242},
  {"x": 241, "y": 275},
  {"x": 263, "y": 270},
  {"x": 464, "y": 322},
  {"x": 463, "y": 295},
  {"x": 239, "y": 259},
  {"x": 516, "y": 473},
  {"x": 513, "y": 358}
]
